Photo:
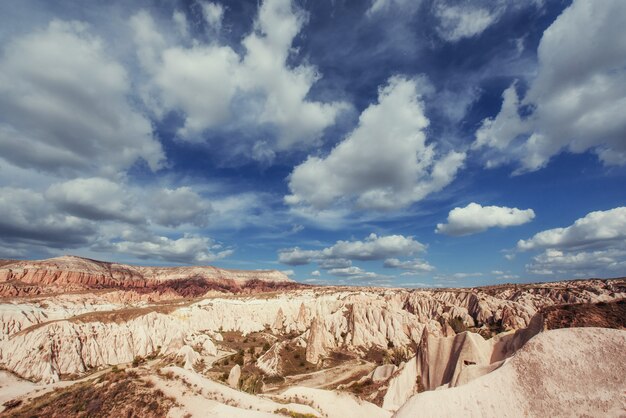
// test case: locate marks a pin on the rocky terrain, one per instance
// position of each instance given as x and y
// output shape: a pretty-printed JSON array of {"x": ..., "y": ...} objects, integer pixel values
[
  {"x": 203, "y": 341},
  {"x": 68, "y": 273}
]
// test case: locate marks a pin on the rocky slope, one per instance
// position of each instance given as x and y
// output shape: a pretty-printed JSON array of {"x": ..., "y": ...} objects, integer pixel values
[
  {"x": 69, "y": 273},
  {"x": 559, "y": 373},
  {"x": 383, "y": 345},
  {"x": 71, "y": 335}
]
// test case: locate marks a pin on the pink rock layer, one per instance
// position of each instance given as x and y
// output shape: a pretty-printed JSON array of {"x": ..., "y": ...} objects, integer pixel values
[{"x": 69, "y": 273}]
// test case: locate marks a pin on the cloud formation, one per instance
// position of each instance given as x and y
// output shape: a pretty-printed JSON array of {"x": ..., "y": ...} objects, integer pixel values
[
  {"x": 96, "y": 199},
  {"x": 64, "y": 106},
  {"x": 464, "y": 21},
  {"x": 592, "y": 245},
  {"x": 575, "y": 103},
  {"x": 384, "y": 163},
  {"x": 416, "y": 265},
  {"x": 215, "y": 87},
  {"x": 609, "y": 262},
  {"x": 188, "y": 249},
  {"x": 600, "y": 229},
  {"x": 475, "y": 218},
  {"x": 338, "y": 256},
  {"x": 27, "y": 217}
]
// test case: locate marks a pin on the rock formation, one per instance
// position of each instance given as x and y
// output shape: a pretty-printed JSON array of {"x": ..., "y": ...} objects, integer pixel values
[
  {"x": 234, "y": 376},
  {"x": 455, "y": 360},
  {"x": 65, "y": 318},
  {"x": 269, "y": 362},
  {"x": 402, "y": 386},
  {"x": 55, "y": 275},
  {"x": 559, "y": 373}
]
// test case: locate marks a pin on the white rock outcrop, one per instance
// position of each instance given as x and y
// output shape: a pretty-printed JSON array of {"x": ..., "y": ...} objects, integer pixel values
[
  {"x": 402, "y": 386},
  {"x": 188, "y": 355},
  {"x": 558, "y": 373},
  {"x": 382, "y": 373},
  {"x": 269, "y": 362},
  {"x": 234, "y": 376}
]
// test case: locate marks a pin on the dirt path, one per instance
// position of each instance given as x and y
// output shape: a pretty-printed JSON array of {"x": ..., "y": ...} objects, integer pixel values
[{"x": 329, "y": 377}]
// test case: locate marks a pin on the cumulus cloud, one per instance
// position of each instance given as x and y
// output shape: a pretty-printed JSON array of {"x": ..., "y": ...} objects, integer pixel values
[
  {"x": 215, "y": 86},
  {"x": 64, "y": 106},
  {"x": 609, "y": 262},
  {"x": 339, "y": 256},
  {"x": 418, "y": 266},
  {"x": 575, "y": 103},
  {"x": 384, "y": 163},
  {"x": 594, "y": 245},
  {"x": 188, "y": 249},
  {"x": 600, "y": 229},
  {"x": 475, "y": 218}
]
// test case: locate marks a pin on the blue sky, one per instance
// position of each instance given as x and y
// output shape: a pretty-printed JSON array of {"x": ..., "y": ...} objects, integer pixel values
[{"x": 428, "y": 143}]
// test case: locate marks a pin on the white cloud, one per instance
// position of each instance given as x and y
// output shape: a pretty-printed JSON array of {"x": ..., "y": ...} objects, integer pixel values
[
  {"x": 64, "y": 106},
  {"x": 187, "y": 249},
  {"x": 458, "y": 22},
  {"x": 297, "y": 257},
  {"x": 180, "y": 22},
  {"x": 316, "y": 273},
  {"x": 600, "y": 229},
  {"x": 94, "y": 199},
  {"x": 416, "y": 265},
  {"x": 355, "y": 273},
  {"x": 609, "y": 262},
  {"x": 215, "y": 87},
  {"x": 374, "y": 247},
  {"x": 384, "y": 163},
  {"x": 497, "y": 272},
  {"x": 333, "y": 263},
  {"x": 476, "y": 218},
  {"x": 213, "y": 14},
  {"x": 289, "y": 273},
  {"x": 575, "y": 103},
  {"x": 593, "y": 246},
  {"x": 466, "y": 275},
  {"x": 380, "y": 6},
  {"x": 507, "y": 277}
]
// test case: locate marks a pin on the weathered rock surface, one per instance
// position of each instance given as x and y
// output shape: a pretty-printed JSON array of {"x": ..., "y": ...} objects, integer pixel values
[
  {"x": 453, "y": 360},
  {"x": 76, "y": 273},
  {"x": 188, "y": 355},
  {"x": 234, "y": 376},
  {"x": 384, "y": 372},
  {"x": 558, "y": 373},
  {"x": 269, "y": 362},
  {"x": 55, "y": 336}
]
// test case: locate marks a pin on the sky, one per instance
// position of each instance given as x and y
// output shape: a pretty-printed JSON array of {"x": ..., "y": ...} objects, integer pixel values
[{"x": 413, "y": 143}]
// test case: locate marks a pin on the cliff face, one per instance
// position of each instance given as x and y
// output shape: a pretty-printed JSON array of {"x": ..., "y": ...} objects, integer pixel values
[{"x": 69, "y": 273}]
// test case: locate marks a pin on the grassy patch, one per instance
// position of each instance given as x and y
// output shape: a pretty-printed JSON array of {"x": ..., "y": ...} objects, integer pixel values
[{"x": 116, "y": 394}]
